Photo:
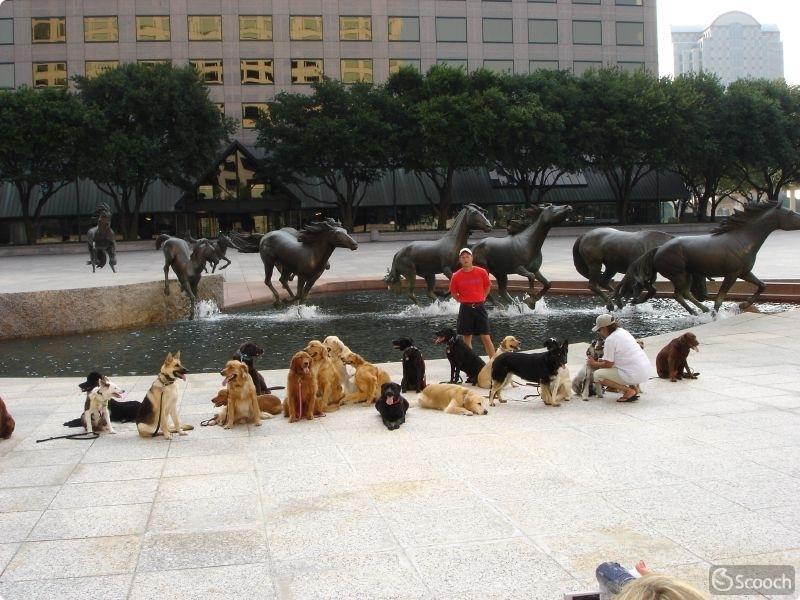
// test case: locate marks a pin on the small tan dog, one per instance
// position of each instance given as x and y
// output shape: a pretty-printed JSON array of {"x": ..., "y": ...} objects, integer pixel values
[
  {"x": 337, "y": 352},
  {"x": 368, "y": 380},
  {"x": 453, "y": 399},
  {"x": 329, "y": 388},
  {"x": 242, "y": 406},
  {"x": 508, "y": 344}
]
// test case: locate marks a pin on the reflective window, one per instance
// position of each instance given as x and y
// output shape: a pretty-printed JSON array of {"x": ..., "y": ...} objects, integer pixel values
[
  {"x": 156, "y": 61},
  {"x": 542, "y": 31},
  {"x": 629, "y": 2},
  {"x": 48, "y": 30},
  {"x": 535, "y": 65},
  {"x": 499, "y": 66},
  {"x": 205, "y": 28},
  {"x": 579, "y": 67},
  {"x": 456, "y": 63},
  {"x": 6, "y": 75},
  {"x": 257, "y": 71},
  {"x": 630, "y": 34},
  {"x": 50, "y": 74},
  {"x": 307, "y": 70},
  {"x": 403, "y": 29},
  {"x": 395, "y": 64},
  {"x": 548, "y": 1},
  {"x": 631, "y": 66},
  {"x": 100, "y": 29},
  {"x": 6, "y": 31},
  {"x": 498, "y": 30},
  {"x": 587, "y": 32},
  {"x": 305, "y": 28},
  {"x": 355, "y": 28},
  {"x": 255, "y": 27},
  {"x": 95, "y": 67},
  {"x": 152, "y": 29},
  {"x": 251, "y": 112},
  {"x": 210, "y": 70},
  {"x": 586, "y": 1},
  {"x": 356, "y": 69},
  {"x": 451, "y": 29}
]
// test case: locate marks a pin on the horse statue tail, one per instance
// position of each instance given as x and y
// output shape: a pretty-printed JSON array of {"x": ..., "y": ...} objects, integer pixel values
[
  {"x": 580, "y": 264},
  {"x": 160, "y": 240},
  {"x": 392, "y": 277},
  {"x": 246, "y": 243},
  {"x": 643, "y": 268}
]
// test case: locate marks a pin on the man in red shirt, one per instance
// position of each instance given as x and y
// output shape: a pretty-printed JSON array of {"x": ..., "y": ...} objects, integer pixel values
[{"x": 470, "y": 285}]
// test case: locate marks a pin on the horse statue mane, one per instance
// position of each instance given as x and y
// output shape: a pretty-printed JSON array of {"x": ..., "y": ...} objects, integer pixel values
[
  {"x": 742, "y": 217},
  {"x": 313, "y": 230},
  {"x": 102, "y": 211},
  {"x": 529, "y": 216}
]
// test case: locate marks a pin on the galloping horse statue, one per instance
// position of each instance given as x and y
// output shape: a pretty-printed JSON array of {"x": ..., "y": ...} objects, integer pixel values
[
  {"x": 614, "y": 249},
  {"x": 187, "y": 263},
  {"x": 520, "y": 254},
  {"x": 728, "y": 251},
  {"x": 428, "y": 258},
  {"x": 102, "y": 240},
  {"x": 304, "y": 253},
  {"x": 220, "y": 247}
]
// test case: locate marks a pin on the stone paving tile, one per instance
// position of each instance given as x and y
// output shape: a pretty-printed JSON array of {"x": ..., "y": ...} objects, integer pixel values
[
  {"x": 127, "y": 448},
  {"x": 30, "y": 498},
  {"x": 238, "y": 512},
  {"x": 41, "y": 458},
  {"x": 6, "y": 553},
  {"x": 110, "y": 587},
  {"x": 246, "y": 581},
  {"x": 116, "y": 471},
  {"x": 105, "y": 493},
  {"x": 669, "y": 501},
  {"x": 760, "y": 491},
  {"x": 17, "y": 477},
  {"x": 15, "y": 526},
  {"x": 66, "y": 523},
  {"x": 184, "y": 550},
  {"x": 195, "y": 487},
  {"x": 207, "y": 465}
]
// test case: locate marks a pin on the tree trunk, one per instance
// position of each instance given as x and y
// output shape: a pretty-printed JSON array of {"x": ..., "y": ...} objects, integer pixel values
[
  {"x": 702, "y": 209},
  {"x": 30, "y": 230},
  {"x": 623, "y": 204},
  {"x": 445, "y": 199},
  {"x": 347, "y": 212}
]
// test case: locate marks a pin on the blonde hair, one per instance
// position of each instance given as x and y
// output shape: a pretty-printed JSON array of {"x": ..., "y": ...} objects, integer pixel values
[{"x": 660, "y": 587}]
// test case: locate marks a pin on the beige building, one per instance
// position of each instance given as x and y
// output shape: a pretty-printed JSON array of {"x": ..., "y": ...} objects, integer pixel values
[{"x": 250, "y": 50}]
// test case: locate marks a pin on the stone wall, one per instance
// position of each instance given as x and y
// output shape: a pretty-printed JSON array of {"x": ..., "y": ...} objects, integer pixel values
[{"x": 59, "y": 312}]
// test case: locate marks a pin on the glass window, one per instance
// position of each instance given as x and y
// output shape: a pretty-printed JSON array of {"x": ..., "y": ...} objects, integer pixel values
[
  {"x": 307, "y": 70},
  {"x": 548, "y": 1},
  {"x": 100, "y": 29},
  {"x": 305, "y": 28},
  {"x": 6, "y": 31},
  {"x": 155, "y": 61},
  {"x": 629, "y": 2},
  {"x": 586, "y": 1},
  {"x": 355, "y": 28},
  {"x": 205, "y": 28},
  {"x": 6, "y": 75},
  {"x": 456, "y": 63},
  {"x": 579, "y": 67},
  {"x": 542, "y": 31},
  {"x": 50, "y": 30},
  {"x": 152, "y": 29},
  {"x": 255, "y": 27},
  {"x": 251, "y": 112},
  {"x": 356, "y": 69},
  {"x": 50, "y": 74},
  {"x": 535, "y": 65},
  {"x": 498, "y": 30},
  {"x": 499, "y": 66},
  {"x": 587, "y": 32},
  {"x": 403, "y": 29},
  {"x": 395, "y": 64},
  {"x": 210, "y": 70},
  {"x": 257, "y": 71},
  {"x": 95, "y": 67},
  {"x": 451, "y": 29},
  {"x": 630, "y": 34},
  {"x": 631, "y": 66}
]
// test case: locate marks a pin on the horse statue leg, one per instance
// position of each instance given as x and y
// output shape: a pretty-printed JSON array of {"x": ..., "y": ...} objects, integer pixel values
[
  {"x": 411, "y": 280},
  {"x": 533, "y": 297},
  {"x": 268, "y": 266},
  {"x": 227, "y": 262},
  {"x": 112, "y": 257},
  {"x": 750, "y": 278},
  {"x": 682, "y": 292},
  {"x": 92, "y": 257},
  {"x": 166, "y": 278},
  {"x": 284, "y": 280},
  {"x": 501, "y": 298},
  {"x": 430, "y": 284}
]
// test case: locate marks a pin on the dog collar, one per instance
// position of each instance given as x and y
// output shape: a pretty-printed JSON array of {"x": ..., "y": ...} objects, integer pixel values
[
  {"x": 244, "y": 356},
  {"x": 170, "y": 380}
]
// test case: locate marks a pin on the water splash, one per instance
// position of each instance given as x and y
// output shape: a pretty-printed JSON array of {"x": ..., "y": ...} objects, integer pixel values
[
  {"x": 437, "y": 308},
  {"x": 206, "y": 309}
]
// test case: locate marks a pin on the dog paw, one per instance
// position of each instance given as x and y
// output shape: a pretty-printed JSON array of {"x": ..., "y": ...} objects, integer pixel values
[
  {"x": 227, "y": 427},
  {"x": 257, "y": 424},
  {"x": 502, "y": 400},
  {"x": 182, "y": 432}
]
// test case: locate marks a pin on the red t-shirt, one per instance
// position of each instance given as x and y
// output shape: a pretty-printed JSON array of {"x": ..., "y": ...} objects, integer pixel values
[{"x": 471, "y": 286}]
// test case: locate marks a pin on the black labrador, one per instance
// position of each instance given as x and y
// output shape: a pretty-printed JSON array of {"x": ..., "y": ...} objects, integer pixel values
[
  {"x": 413, "y": 365},
  {"x": 538, "y": 367},
  {"x": 120, "y": 412},
  {"x": 392, "y": 406},
  {"x": 247, "y": 353},
  {"x": 461, "y": 356}
]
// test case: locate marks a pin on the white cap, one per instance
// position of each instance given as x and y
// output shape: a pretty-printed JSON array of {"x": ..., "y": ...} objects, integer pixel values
[
  {"x": 603, "y": 321},
  {"x": 467, "y": 250}
]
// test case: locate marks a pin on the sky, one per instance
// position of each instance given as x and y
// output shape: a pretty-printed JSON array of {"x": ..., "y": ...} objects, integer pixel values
[{"x": 783, "y": 13}]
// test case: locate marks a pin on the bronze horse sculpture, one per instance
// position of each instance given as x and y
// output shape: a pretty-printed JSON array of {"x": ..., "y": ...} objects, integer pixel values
[
  {"x": 728, "y": 251},
  {"x": 187, "y": 263},
  {"x": 520, "y": 254},
  {"x": 102, "y": 241},
  {"x": 304, "y": 253},
  {"x": 219, "y": 249},
  {"x": 428, "y": 258},
  {"x": 615, "y": 250}
]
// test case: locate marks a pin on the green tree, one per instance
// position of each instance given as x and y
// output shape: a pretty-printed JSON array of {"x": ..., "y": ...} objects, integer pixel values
[
  {"x": 40, "y": 148},
  {"x": 336, "y": 138},
  {"x": 155, "y": 122}
]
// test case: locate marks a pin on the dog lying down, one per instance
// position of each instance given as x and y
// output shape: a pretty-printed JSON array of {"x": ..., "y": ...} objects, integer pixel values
[
  {"x": 119, "y": 411},
  {"x": 453, "y": 399},
  {"x": 392, "y": 406}
]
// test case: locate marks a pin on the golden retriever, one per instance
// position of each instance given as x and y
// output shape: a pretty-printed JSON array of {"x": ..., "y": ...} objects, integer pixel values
[
  {"x": 337, "y": 351},
  {"x": 267, "y": 403},
  {"x": 301, "y": 389},
  {"x": 329, "y": 388},
  {"x": 453, "y": 399},
  {"x": 508, "y": 344},
  {"x": 242, "y": 406},
  {"x": 368, "y": 380}
]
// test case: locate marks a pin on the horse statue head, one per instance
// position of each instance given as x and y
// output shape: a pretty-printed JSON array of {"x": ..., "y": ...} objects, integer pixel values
[
  {"x": 329, "y": 230},
  {"x": 552, "y": 214},
  {"x": 102, "y": 212},
  {"x": 476, "y": 218},
  {"x": 772, "y": 214}
]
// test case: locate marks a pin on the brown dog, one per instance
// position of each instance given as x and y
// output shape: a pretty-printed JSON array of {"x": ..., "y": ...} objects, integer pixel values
[
  {"x": 301, "y": 389},
  {"x": 267, "y": 403},
  {"x": 242, "y": 400},
  {"x": 671, "y": 360},
  {"x": 368, "y": 380},
  {"x": 6, "y": 421},
  {"x": 329, "y": 385}
]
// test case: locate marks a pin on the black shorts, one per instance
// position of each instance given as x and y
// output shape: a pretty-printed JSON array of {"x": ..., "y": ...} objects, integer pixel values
[{"x": 472, "y": 320}]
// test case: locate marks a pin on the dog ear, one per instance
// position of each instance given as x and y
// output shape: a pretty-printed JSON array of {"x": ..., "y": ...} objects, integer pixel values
[
  {"x": 169, "y": 357},
  {"x": 177, "y": 355}
]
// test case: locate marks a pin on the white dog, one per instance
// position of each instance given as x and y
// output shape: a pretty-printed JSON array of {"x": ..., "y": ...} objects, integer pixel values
[
  {"x": 338, "y": 352},
  {"x": 98, "y": 406}
]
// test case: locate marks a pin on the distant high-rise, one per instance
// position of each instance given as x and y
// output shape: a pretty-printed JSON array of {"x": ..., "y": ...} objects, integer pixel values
[{"x": 734, "y": 46}]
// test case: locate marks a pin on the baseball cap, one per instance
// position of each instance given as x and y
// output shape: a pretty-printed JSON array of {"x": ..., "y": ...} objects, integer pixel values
[
  {"x": 467, "y": 250},
  {"x": 603, "y": 321}
]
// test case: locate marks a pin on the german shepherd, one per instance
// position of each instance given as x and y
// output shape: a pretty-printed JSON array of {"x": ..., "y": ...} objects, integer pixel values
[{"x": 161, "y": 401}]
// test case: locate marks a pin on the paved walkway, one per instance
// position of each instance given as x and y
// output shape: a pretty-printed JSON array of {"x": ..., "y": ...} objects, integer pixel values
[{"x": 521, "y": 503}]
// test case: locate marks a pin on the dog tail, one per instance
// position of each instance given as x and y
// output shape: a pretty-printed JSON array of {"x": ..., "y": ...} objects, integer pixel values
[
  {"x": 246, "y": 243},
  {"x": 160, "y": 240},
  {"x": 74, "y": 423},
  {"x": 577, "y": 258}
]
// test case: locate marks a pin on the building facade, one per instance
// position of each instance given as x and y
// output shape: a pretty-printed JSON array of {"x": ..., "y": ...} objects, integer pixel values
[{"x": 734, "y": 46}]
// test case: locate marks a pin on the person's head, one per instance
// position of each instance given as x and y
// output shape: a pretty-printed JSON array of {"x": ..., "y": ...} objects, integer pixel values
[
  {"x": 465, "y": 257},
  {"x": 605, "y": 325},
  {"x": 659, "y": 587}
]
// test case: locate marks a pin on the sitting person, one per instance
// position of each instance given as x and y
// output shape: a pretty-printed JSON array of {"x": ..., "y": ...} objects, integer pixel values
[
  {"x": 624, "y": 364},
  {"x": 650, "y": 586}
]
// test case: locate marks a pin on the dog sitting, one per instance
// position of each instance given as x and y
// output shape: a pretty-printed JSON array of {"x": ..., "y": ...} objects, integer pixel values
[
  {"x": 392, "y": 406},
  {"x": 7, "y": 423},
  {"x": 452, "y": 399},
  {"x": 161, "y": 401},
  {"x": 508, "y": 344},
  {"x": 461, "y": 356},
  {"x": 413, "y": 365},
  {"x": 671, "y": 360},
  {"x": 97, "y": 412},
  {"x": 559, "y": 389},
  {"x": 247, "y": 353},
  {"x": 337, "y": 351},
  {"x": 267, "y": 403},
  {"x": 329, "y": 387},
  {"x": 584, "y": 384},
  {"x": 368, "y": 380},
  {"x": 120, "y": 412},
  {"x": 242, "y": 405},
  {"x": 301, "y": 389},
  {"x": 539, "y": 367}
]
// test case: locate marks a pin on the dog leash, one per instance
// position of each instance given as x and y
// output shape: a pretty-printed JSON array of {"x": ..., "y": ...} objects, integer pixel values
[{"x": 73, "y": 436}]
